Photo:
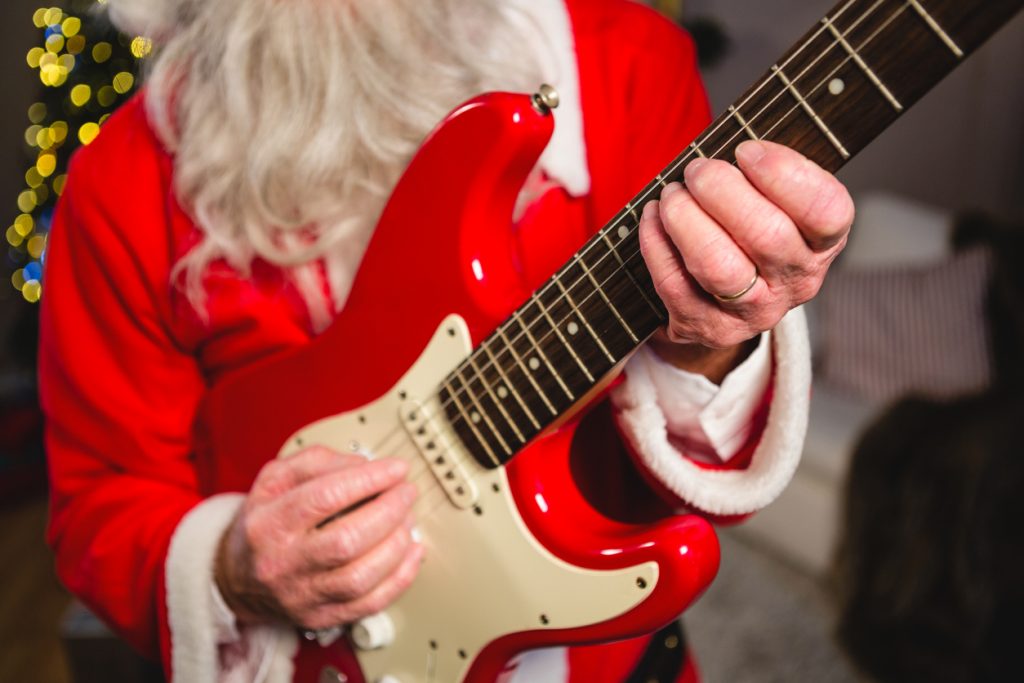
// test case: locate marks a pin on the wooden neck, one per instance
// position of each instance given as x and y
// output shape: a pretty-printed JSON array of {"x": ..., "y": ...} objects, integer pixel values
[{"x": 845, "y": 81}]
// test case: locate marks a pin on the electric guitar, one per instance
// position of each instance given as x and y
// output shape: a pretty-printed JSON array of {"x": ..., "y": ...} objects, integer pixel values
[{"x": 482, "y": 394}]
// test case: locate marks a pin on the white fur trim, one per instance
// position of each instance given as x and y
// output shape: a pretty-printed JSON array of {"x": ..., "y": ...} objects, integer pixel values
[
  {"x": 551, "y": 39},
  {"x": 728, "y": 492},
  {"x": 550, "y": 665},
  {"x": 192, "y": 609},
  {"x": 151, "y": 18}
]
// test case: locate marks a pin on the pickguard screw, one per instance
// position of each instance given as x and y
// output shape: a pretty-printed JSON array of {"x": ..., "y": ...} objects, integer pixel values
[{"x": 641, "y": 582}]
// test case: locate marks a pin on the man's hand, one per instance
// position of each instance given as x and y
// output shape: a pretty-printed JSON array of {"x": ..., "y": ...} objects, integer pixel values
[
  {"x": 322, "y": 539},
  {"x": 732, "y": 252}
]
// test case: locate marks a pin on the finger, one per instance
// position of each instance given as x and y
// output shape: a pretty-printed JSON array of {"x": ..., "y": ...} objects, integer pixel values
[
  {"x": 377, "y": 600},
  {"x": 818, "y": 203},
  {"x": 352, "y": 581},
  {"x": 353, "y": 534},
  {"x": 320, "y": 498},
  {"x": 709, "y": 253},
  {"x": 761, "y": 229},
  {"x": 284, "y": 474}
]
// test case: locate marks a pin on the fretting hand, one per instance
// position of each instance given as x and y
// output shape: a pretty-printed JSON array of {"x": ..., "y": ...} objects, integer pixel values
[{"x": 737, "y": 248}]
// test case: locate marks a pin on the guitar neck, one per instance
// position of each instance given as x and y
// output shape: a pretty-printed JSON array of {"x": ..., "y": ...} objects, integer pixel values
[{"x": 843, "y": 83}]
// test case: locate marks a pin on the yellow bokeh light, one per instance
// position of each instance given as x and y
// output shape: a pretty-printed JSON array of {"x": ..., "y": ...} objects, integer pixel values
[
  {"x": 106, "y": 96},
  {"x": 88, "y": 132},
  {"x": 81, "y": 94},
  {"x": 37, "y": 112},
  {"x": 103, "y": 119},
  {"x": 46, "y": 164},
  {"x": 24, "y": 224},
  {"x": 75, "y": 44},
  {"x": 33, "y": 178},
  {"x": 123, "y": 82},
  {"x": 59, "y": 182},
  {"x": 33, "y": 57},
  {"x": 101, "y": 52},
  {"x": 71, "y": 26},
  {"x": 18, "y": 278},
  {"x": 48, "y": 59},
  {"x": 55, "y": 43},
  {"x": 39, "y": 18},
  {"x": 44, "y": 138},
  {"x": 32, "y": 291},
  {"x": 36, "y": 245},
  {"x": 53, "y": 16},
  {"x": 14, "y": 239},
  {"x": 59, "y": 131},
  {"x": 141, "y": 47},
  {"x": 27, "y": 201},
  {"x": 32, "y": 135},
  {"x": 66, "y": 62}
]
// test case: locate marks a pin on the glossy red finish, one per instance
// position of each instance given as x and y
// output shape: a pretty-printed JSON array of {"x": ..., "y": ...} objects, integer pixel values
[{"x": 444, "y": 246}]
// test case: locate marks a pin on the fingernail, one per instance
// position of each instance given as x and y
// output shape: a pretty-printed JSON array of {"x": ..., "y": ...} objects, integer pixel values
[
  {"x": 650, "y": 209},
  {"x": 694, "y": 167},
  {"x": 671, "y": 189},
  {"x": 750, "y": 152},
  {"x": 415, "y": 534}
]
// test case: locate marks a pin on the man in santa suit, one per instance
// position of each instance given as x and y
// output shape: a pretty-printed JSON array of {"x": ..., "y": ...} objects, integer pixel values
[{"x": 220, "y": 216}]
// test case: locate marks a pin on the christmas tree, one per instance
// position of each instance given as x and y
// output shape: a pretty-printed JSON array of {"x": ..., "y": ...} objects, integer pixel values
[{"x": 87, "y": 70}]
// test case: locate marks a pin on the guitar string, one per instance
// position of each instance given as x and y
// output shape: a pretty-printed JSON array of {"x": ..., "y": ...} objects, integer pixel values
[
  {"x": 755, "y": 117},
  {"x": 793, "y": 109}
]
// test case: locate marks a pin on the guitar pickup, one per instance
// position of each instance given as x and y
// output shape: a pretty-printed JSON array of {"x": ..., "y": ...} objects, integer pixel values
[{"x": 440, "y": 448}]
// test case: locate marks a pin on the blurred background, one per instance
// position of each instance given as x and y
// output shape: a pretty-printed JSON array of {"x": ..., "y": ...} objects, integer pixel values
[{"x": 893, "y": 554}]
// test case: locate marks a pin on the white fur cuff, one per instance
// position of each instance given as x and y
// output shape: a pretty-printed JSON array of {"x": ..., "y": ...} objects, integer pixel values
[
  {"x": 728, "y": 492},
  {"x": 193, "y": 613}
]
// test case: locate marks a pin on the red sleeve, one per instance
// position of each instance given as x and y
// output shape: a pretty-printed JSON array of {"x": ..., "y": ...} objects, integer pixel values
[
  {"x": 118, "y": 392},
  {"x": 643, "y": 100}
]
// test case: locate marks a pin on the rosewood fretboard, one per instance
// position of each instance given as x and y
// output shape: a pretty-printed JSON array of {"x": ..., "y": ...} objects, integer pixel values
[{"x": 844, "y": 82}]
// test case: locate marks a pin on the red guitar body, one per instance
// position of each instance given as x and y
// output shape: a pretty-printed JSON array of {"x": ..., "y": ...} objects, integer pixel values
[{"x": 444, "y": 247}]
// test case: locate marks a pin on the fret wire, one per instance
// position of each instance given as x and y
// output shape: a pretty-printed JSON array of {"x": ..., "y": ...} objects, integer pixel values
[
  {"x": 526, "y": 373},
  {"x": 582, "y": 316},
  {"x": 559, "y": 334},
  {"x": 698, "y": 150},
  {"x": 934, "y": 26},
  {"x": 498, "y": 403},
  {"x": 479, "y": 409},
  {"x": 810, "y": 112},
  {"x": 511, "y": 388},
  {"x": 472, "y": 425},
  {"x": 868, "y": 71},
  {"x": 544, "y": 356},
  {"x": 622, "y": 266},
  {"x": 611, "y": 306},
  {"x": 743, "y": 122}
]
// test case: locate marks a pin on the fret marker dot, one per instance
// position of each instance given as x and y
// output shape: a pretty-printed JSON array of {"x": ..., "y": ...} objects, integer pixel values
[
  {"x": 836, "y": 86},
  {"x": 475, "y": 417},
  {"x": 623, "y": 232},
  {"x": 572, "y": 328},
  {"x": 502, "y": 392},
  {"x": 534, "y": 364}
]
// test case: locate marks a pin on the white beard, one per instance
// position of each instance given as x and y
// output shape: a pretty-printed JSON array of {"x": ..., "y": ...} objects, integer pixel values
[{"x": 290, "y": 122}]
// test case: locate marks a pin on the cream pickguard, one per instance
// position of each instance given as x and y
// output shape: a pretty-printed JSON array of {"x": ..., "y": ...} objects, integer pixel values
[{"x": 479, "y": 551}]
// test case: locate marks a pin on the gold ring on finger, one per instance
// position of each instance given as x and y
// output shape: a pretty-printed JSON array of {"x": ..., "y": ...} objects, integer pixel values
[{"x": 726, "y": 298}]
